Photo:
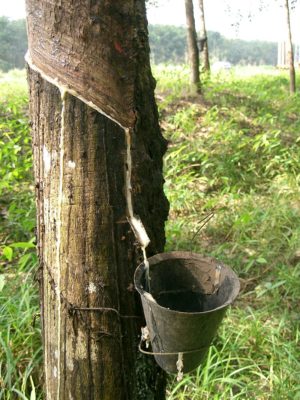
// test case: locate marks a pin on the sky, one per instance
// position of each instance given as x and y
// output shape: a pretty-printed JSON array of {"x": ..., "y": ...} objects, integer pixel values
[{"x": 220, "y": 15}]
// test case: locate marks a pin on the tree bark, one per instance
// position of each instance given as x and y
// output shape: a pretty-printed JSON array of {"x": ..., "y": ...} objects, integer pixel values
[
  {"x": 193, "y": 51},
  {"x": 91, "y": 315},
  {"x": 290, "y": 51},
  {"x": 203, "y": 36}
]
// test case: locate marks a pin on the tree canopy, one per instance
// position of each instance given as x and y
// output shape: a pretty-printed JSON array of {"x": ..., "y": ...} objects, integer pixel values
[
  {"x": 168, "y": 44},
  {"x": 13, "y": 43}
]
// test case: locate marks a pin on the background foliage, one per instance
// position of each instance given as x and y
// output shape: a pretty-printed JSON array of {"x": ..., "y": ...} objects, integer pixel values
[
  {"x": 168, "y": 45},
  {"x": 13, "y": 43},
  {"x": 20, "y": 347}
]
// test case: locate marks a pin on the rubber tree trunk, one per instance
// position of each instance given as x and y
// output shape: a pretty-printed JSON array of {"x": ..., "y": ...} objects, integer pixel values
[
  {"x": 91, "y": 315},
  {"x": 290, "y": 51},
  {"x": 193, "y": 51},
  {"x": 203, "y": 38}
]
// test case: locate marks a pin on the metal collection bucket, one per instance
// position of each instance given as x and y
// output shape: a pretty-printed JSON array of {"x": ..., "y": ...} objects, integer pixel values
[{"x": 188, "y": 299}]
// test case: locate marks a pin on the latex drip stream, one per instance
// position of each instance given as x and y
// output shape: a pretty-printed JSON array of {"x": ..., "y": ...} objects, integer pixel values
[
  {"x": 58, "y": 240},
  {"x": 135, "y": 222}
]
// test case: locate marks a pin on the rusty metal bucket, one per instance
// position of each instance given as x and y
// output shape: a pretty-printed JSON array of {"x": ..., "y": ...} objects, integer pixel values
[{"x": 188, "y": 299}]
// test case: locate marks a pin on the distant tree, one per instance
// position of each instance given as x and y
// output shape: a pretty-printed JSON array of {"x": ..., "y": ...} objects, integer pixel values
[
  {"x": 244, "y": 52},
  {"x": 168, "y": 45},
  {"x": 203, "y": 38},
  {"x": 13, "y": 43},
  {"x": 193, "y": 51},
  {"x": 290, "y": 51},
  {"x": 217, "y": 43}
]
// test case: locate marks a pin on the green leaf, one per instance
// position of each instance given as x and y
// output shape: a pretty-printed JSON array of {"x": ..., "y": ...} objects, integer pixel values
[
  {"x": 33, "y": 392},
  {"x": 8, "y": 253},
  {"x": 261, "y": 260},
  {"x": 23, "y": 245}
]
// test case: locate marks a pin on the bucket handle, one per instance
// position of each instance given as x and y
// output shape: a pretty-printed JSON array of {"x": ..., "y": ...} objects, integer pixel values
[{"x": 151, "y": 353}]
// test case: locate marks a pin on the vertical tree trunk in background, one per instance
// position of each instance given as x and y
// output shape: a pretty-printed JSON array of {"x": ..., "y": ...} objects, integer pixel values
[
  {"x": 87, "y": 250},
  {"x": 203, "y": 36},
  {"x": 193, "y": 51},
  {"x": 290, "y": 51}
]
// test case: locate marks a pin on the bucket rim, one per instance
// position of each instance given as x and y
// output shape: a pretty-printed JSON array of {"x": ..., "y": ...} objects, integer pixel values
[{"x": 183, "y": 255}]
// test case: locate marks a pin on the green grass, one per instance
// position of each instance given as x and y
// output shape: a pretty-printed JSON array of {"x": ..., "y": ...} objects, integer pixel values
[
  {"x": 233, "y": 152},
  {"x": 20, "y": 341}
]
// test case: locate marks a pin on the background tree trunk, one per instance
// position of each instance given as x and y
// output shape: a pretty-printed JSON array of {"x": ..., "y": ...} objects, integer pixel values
[
  {"x": 86, "y": 247},
  {"x": 193, "y": 51},
  {"x": 203, "y": 36},
  {"x": 290, "y": 51}
]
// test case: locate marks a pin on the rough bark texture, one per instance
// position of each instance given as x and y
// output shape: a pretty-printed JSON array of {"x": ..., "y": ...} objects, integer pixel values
[
  {"x": 65, "y": 41},
  {"x": 290, "y": 51},
  {"x": 193, "y": 51},
  {"x": 86, "y": 247},
  {"x": 203, "y": 36}
]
